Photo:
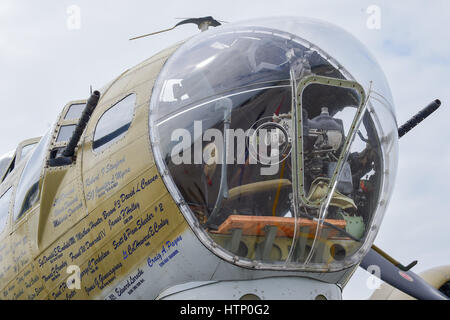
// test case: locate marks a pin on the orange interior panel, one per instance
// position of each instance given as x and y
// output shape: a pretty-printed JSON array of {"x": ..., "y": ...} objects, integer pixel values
[{"x": 254, "y": 225}]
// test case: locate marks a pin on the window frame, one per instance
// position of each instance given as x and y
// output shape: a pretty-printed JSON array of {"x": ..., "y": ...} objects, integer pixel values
[
  {"x": 10, "y": 167},
  {"x": 64, "y": 122},
  {"x": 113, "y": 142},
  {"x": 17, "y": 222},
  {"x": 67, "y": 108},
  {"x": 8, "y": 188},
  {"x": 17, "y": 156},
  {"x": 23, "y": 144}
]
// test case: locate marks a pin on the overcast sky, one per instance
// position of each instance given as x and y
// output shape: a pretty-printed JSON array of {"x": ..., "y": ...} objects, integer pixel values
[{"x": 47, "y": 59}]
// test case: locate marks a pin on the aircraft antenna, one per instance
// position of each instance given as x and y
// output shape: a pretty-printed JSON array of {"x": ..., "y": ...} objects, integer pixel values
[{"x": 202, "y": 23}]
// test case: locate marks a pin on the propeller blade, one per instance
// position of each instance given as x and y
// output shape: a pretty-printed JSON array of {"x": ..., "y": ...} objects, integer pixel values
[{"x": 405, "y": 281}]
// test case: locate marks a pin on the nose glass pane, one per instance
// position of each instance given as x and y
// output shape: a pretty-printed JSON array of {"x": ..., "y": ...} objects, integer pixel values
[
  {"x": 338, "y": 165},
  {"x": 230, "y": 159}
]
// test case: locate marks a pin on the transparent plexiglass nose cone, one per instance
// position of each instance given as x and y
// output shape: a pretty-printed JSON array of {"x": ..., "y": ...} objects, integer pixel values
[{"x": 278, "y": 139}]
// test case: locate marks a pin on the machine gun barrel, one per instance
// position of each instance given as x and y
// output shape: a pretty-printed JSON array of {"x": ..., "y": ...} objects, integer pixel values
[
  {"x": 419, "y": 117},
  {"x": 90, "y": 106}
]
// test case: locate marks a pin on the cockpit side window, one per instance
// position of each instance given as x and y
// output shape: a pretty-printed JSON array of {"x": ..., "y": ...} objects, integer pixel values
[
  {"x": 65, "y": 127},
  {"x": 114, "y": 123},
  {"x": 27, "y": 193},
  {"x": 9, "y": 164},
  {"x": 12, "y": 159},
  {"x": 5, "y": 160},
  {"x": 75, "y": 111},
  {"x": 27, "y": 149},
  {"x": 65, "y": 133},
  {"x": 4, "y": 208}
]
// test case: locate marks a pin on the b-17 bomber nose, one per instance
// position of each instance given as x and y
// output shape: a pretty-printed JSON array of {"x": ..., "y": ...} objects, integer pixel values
[{"x": 278, "y": 154}]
